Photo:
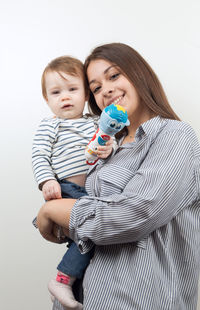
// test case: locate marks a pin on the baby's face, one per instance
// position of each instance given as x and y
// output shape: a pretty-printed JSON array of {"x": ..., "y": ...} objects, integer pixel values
[{"x": 65, "y": 94}]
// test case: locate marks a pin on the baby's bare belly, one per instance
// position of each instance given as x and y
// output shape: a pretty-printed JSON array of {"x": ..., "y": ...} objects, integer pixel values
[{"x": 78, "y": 179}]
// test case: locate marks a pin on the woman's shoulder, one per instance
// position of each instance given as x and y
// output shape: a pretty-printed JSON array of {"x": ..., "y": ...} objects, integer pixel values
[
  {"x": 179, "y": 127},
  {"x": 181, "y": 130},
  {"x": 159, "y": 127}
]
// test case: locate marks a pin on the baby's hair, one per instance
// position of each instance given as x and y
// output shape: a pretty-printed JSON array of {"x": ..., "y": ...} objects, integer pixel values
[{"x": 65, "y": 64}]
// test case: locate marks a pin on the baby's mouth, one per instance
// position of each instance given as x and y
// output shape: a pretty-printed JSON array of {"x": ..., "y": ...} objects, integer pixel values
[{"x": 66, "y": 106}]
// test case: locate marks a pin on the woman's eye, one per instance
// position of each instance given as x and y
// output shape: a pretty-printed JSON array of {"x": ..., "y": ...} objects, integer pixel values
[
  {"x": 114, "y": 76},
  {"x": 96, "y": 89}
]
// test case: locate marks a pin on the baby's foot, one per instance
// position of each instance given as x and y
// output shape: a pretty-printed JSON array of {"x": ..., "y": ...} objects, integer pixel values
[{"x": 63, "y": 292}]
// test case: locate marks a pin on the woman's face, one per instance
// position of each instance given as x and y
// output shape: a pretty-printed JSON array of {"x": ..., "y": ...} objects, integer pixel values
[{"x": 109, "y": 85}]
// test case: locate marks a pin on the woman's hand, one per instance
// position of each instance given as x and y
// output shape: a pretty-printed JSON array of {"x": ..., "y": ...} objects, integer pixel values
[
  {"x": 105, "y": 151},
  {"x": 53, "y": 212}
]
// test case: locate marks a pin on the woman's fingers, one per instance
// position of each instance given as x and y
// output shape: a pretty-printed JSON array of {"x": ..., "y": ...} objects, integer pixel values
[{"x": 106, "y": 150}]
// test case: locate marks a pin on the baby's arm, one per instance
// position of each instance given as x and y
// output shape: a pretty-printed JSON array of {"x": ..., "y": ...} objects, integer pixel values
[
  {"x": 51, "y": 190},
  {"x": 43, "y": 141}
]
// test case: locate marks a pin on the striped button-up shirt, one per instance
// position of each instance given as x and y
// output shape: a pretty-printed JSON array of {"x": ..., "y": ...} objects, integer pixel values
[{"x": 143, "y": 216}]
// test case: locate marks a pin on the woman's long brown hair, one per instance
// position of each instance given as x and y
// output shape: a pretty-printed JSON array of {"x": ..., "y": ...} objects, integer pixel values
[{"x": 138, "y": 72}]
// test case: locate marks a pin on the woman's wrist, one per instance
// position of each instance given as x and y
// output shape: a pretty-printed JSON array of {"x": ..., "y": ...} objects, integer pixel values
[
  {"x": 45, "y": 224},
  {"x": 58, "y": 212}
]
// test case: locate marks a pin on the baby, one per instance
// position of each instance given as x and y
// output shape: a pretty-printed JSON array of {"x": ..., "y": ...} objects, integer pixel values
[{"x": 58, "y": 157}]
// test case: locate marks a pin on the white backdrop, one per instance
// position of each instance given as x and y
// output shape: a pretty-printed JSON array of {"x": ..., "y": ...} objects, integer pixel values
[{"x": 166, "y": 33}]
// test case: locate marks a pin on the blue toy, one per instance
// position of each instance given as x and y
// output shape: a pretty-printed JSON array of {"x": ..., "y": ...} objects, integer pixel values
[{"x": 113, "y": 119}]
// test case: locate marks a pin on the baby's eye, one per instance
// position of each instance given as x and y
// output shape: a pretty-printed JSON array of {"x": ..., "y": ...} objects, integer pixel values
[
  {"x": 55, "y": 92},
  {"x": 72, "y": 89},
  {"x": 114, "y": 76}
]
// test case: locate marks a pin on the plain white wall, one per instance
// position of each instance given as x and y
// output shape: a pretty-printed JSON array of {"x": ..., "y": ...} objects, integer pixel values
[{"x": 32, "y": 33}]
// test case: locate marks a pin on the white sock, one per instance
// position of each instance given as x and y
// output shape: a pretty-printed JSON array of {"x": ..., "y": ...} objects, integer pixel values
[{"x": 63, "y": 292}]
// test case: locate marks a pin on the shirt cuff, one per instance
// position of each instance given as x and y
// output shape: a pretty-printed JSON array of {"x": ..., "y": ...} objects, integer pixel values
[{"x": 82, "y": 211}]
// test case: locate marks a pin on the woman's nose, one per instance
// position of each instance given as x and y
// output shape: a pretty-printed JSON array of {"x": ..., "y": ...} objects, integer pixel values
[{"x": 108, "y": 91}]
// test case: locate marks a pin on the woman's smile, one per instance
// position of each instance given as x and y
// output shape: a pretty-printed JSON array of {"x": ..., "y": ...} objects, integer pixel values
[{"x": 109, "y": 85}]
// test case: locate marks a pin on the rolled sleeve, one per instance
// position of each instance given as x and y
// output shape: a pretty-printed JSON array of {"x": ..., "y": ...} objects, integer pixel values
[{"x": 82, "y": 213}]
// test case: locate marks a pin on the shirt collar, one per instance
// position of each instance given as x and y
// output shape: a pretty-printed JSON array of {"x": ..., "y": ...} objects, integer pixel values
[{"x": 150, "y": 127}]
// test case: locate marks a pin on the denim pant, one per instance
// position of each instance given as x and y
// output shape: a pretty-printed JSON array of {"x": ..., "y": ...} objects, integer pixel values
[{"x": 73, "y": 262}]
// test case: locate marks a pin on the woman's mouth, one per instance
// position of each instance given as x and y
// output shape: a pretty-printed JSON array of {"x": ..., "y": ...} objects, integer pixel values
[{"x": 116, "y": 100}]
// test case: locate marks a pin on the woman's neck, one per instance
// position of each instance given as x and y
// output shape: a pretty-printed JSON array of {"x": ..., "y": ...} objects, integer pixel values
[{"x": 135, "y": 122}]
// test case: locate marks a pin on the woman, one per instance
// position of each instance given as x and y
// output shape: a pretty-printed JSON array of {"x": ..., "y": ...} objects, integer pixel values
[{"x": 143, "y": 209}]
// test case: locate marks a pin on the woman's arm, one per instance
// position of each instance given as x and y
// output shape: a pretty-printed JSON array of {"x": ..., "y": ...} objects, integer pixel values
[
  {"x": 163, "y": 186},
  {"x": 54, "y": 211}
]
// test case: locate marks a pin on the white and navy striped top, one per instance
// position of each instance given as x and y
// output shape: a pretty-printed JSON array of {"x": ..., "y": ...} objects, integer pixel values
[
  {"x": 59, "y": 147},
  {"x": 143, "y": 214}
]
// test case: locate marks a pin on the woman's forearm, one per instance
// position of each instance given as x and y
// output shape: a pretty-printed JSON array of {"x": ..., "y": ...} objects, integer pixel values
[{"x": 54, "y": 211}]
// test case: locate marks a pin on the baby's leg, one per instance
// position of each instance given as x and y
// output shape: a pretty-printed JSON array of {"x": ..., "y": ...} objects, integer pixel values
[
  {"x": 73, "y": 263},
  {"x": 61, "y": 289},
  {"x": 71, "y": 267}
]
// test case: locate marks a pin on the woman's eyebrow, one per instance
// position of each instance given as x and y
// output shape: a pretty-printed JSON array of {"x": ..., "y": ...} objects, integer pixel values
[{"x": 105, "y": 71}]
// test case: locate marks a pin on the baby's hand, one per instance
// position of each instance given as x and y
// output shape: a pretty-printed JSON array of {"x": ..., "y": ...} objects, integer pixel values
[
  {"x": 51, "y": 190},
  {"x": 104, "y": 151}
]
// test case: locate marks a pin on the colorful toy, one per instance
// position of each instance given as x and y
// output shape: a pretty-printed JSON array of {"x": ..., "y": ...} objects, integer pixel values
[{"x": 113, "y": 119}]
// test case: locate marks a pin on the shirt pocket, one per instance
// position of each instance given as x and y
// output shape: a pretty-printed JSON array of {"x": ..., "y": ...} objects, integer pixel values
[{"x": 113, "y": 179}]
